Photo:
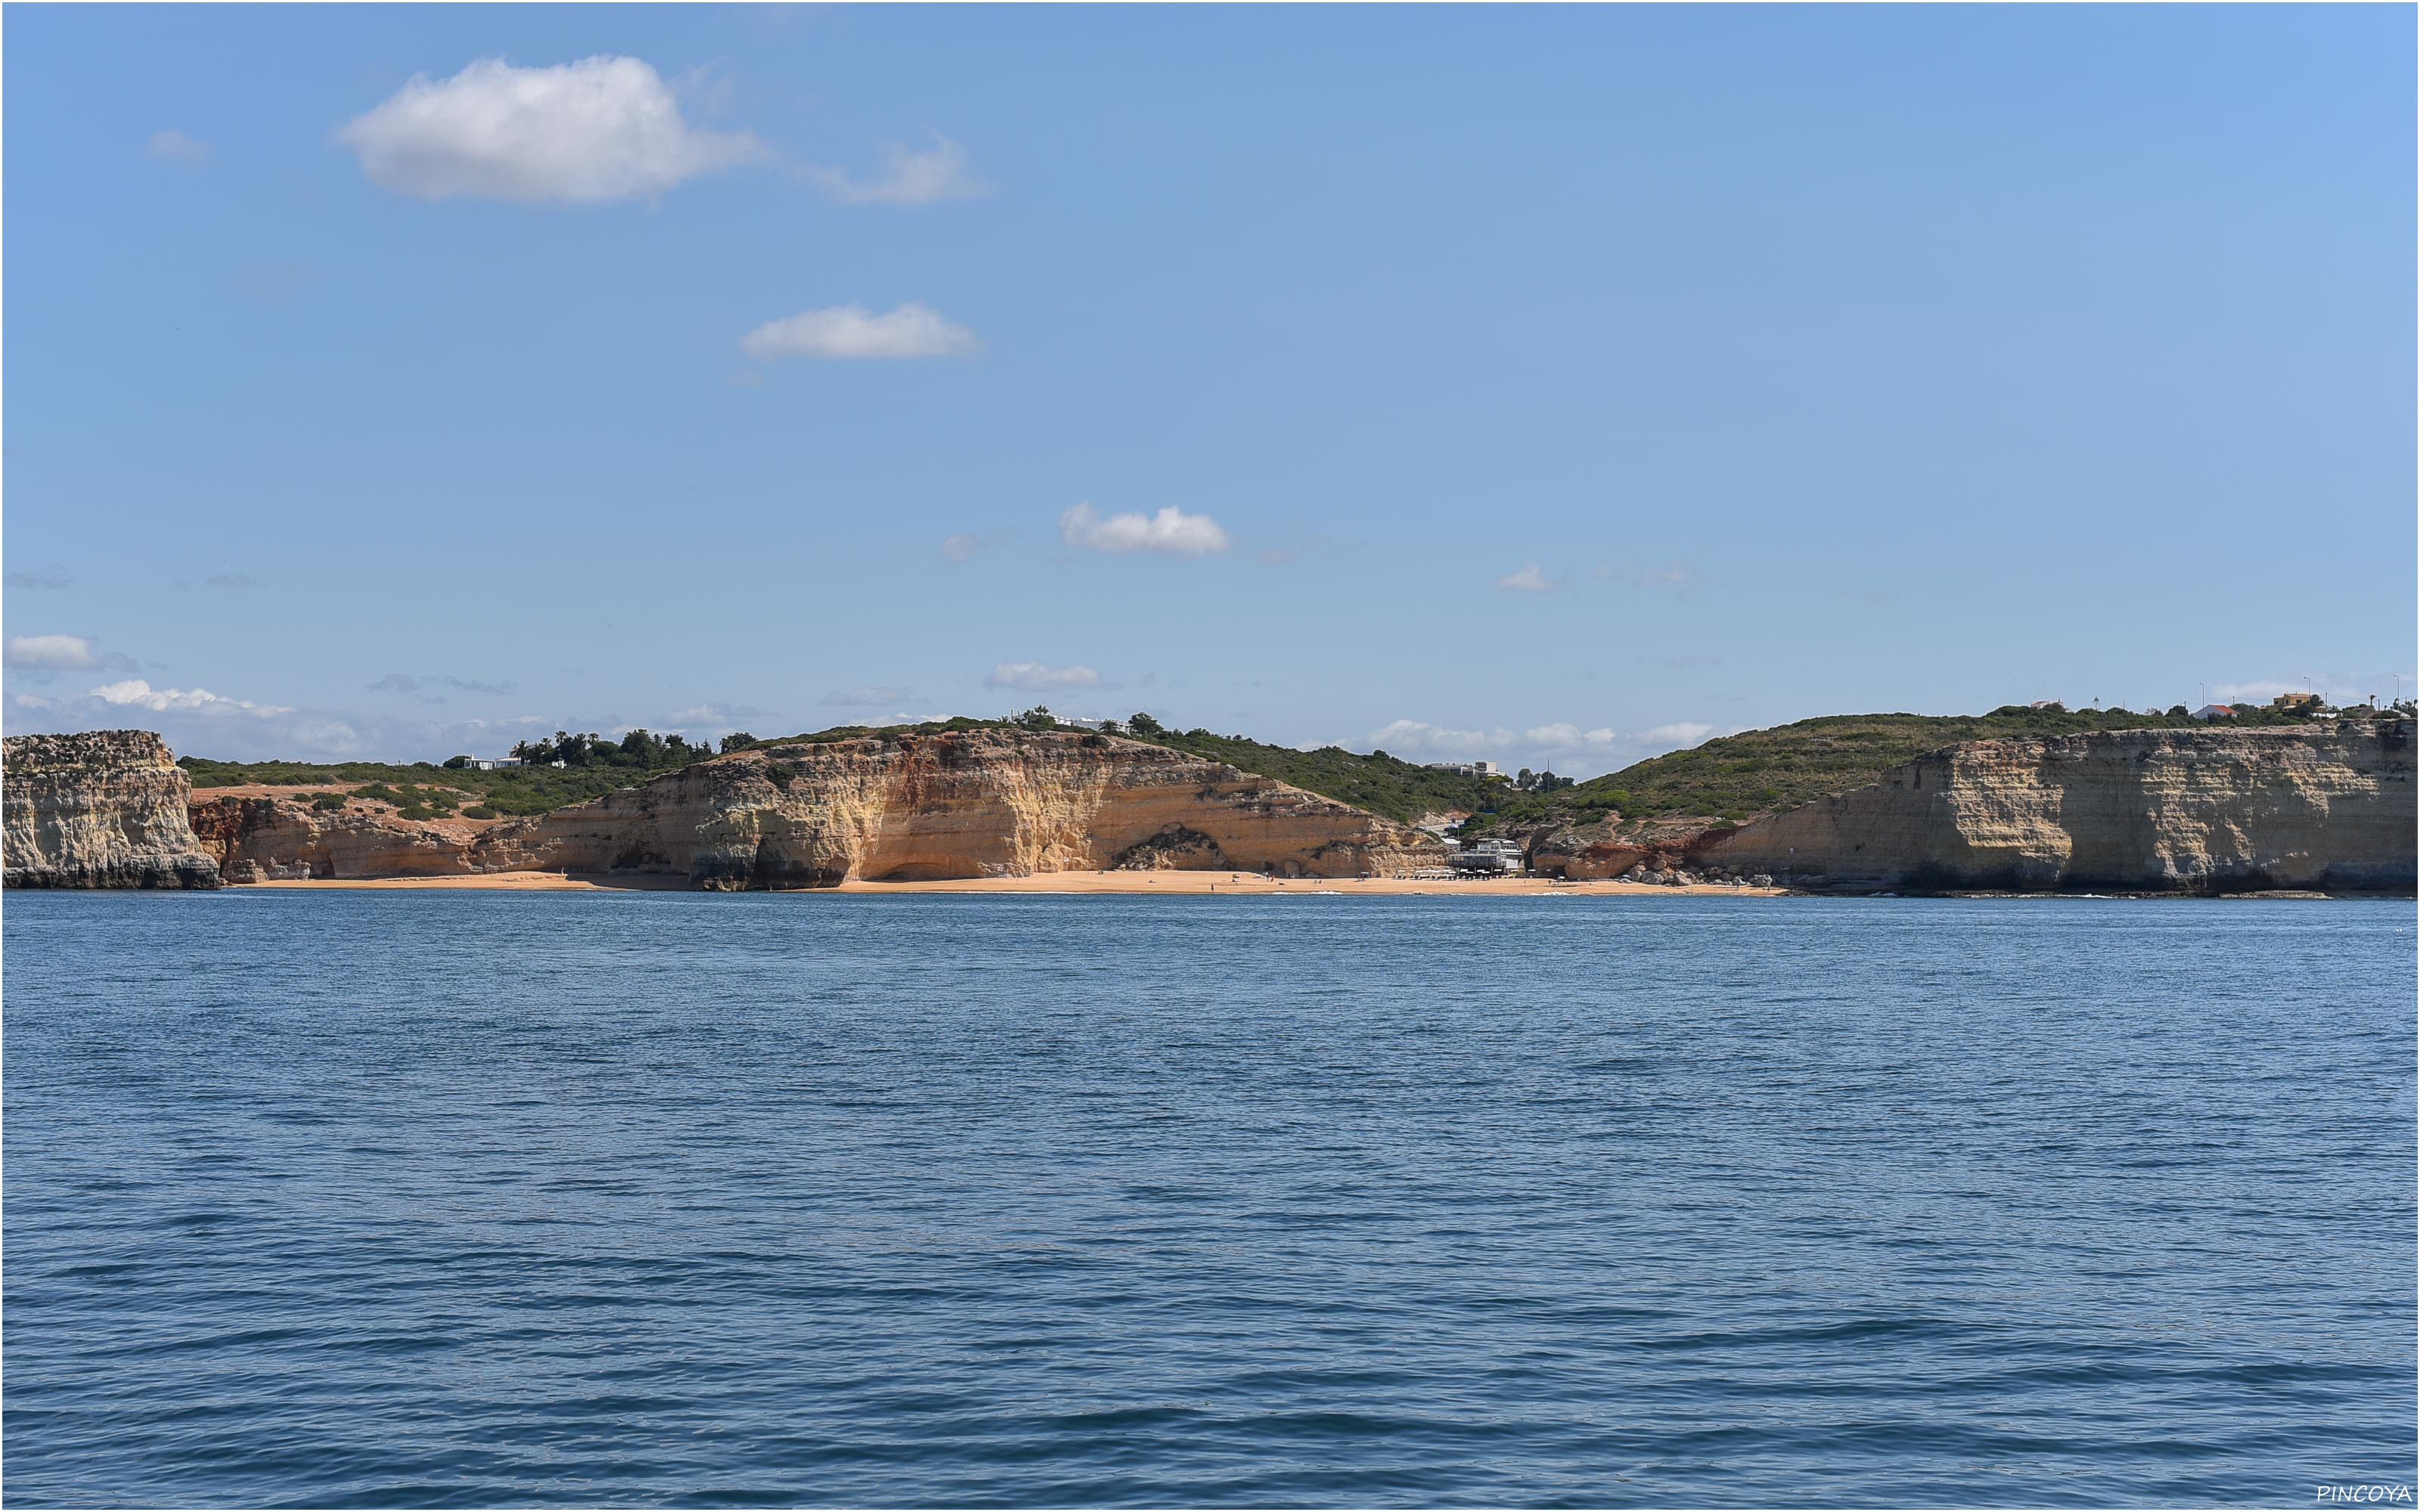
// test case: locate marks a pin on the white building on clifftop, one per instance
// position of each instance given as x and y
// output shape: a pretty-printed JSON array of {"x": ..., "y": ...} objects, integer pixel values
[{"x": 1468, "y": 768}]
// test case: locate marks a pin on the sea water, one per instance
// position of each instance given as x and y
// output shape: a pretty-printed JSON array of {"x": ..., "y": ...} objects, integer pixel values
[{"x": 443, "y": 1198}]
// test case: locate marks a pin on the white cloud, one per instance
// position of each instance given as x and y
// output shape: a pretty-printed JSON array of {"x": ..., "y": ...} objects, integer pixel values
[
  {"x": 1671, "y": 736},
  {"x": 867, "y": 697},
  {"x": 1034, "y": 677},
  {"x": 846, "y": 332},
  {"x": 197, "y": 722},
  {"x": 1171, "y": 531},
  {"x": 52, "y": 652},
  {"x": 1562, "y": 745},
  {"x": 1567, "y": 737},
  {"x": 176, "y": 147},
  {"x": 601, "y": 128},
  {"x": 961, "y": 546},
  {"x": 424, "y": 686},
  {"x": 1417, "y": 735},
  {"x": 136, "y": 693},
  {"x": 1526, "y": 578},
  {"x": 719, "y": 716},
  {"x": 909, "y": 177}
]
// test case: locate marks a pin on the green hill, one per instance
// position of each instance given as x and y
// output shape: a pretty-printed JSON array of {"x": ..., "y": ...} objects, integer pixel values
[
  {"x": 1760, "y": 770},
  {"x": 1382, "y": 784}
]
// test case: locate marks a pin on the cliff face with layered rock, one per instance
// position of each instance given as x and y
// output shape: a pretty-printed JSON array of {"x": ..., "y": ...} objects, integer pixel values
[
  {"x": 102, "y": 810},
  {"x": 2325, "y": 807},
  {"x": 969, "y": 803},
  {"x": 277, "y": 838},
  {"x": 904, "y": 806}
]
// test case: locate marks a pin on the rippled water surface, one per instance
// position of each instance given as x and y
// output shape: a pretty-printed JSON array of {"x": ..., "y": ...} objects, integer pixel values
[{"x": 428, "y": 1198}]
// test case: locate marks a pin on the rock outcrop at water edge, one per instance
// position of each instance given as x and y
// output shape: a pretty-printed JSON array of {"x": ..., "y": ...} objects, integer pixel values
[
  {"x": 100, "y": 809},
  {"x": 273, "y": 838},
  {"x": 2327, "y": 806}
]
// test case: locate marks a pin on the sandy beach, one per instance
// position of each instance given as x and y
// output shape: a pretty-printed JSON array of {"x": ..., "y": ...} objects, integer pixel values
[{"x": 1136, "y": 883}]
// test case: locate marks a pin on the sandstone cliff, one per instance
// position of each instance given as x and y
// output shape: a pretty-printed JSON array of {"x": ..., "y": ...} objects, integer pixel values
[
  {"x": 279, "y": 837},
  {"x": 969, "y": 803},
  {"x": 898, "y": 807},
  {"x": 2324, "y": 807},
  {"x": 103, "y": 810}
]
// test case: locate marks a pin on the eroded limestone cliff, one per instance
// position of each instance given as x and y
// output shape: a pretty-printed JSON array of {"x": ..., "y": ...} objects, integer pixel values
[
  {"x": 102, "y": 810},
  {"x": 280, "y": 836},
  {"x": 2324, "y": 807},
  {"x": 903, "y": 808},
  {"x": 965, "y": 804}
]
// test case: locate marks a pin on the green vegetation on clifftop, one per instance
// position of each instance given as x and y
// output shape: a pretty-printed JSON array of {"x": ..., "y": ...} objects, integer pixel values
[
  {"x": 1382, "y": 784},
  {"x": 1760, "y": 770},
  {"x": 591, "y": 768}
]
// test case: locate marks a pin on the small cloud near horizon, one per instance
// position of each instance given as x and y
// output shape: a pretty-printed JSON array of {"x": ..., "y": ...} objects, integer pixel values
[
  {"x": 1035, "y": 677},
  {"x": 36, "y": 579},
  {"x": 198, "y": 722},
  {"x": 851, "y": 333},
  {"x": 1528, "y": 578},
  {"x": 1171, "y": 532},
  {"x": 870, "y": 696},
  {"x": 1542, "y": 746},
  {"x": 422, "y": 687},
  {"x": 136, "y": 693},
  {"x": 720, "y": 715}
]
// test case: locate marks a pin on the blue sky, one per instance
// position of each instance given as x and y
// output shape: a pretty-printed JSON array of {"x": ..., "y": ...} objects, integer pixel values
[{"x": 1555, "y": 384}]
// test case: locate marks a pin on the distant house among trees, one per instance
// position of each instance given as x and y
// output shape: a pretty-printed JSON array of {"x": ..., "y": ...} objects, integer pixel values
[{"x": 2213, "y": 711}]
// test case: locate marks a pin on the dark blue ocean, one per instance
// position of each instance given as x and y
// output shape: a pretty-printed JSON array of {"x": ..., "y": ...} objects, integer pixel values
[{"x": 429, "y": 1198}]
